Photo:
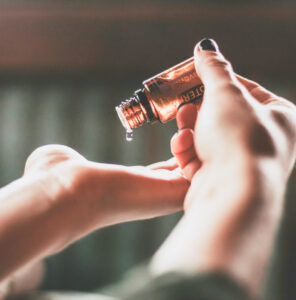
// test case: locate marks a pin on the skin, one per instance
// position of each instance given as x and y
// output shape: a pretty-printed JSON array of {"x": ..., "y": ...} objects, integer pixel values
[
  {"x": 238, "y": 150},
  {"x": 62, "y": 197}
]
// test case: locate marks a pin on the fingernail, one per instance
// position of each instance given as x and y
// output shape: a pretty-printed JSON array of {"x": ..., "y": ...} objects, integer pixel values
[{"x": 208, "y": 45}]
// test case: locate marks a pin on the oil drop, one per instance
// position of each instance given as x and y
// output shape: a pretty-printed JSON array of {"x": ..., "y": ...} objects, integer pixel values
[{"x": 129, "y": 135}]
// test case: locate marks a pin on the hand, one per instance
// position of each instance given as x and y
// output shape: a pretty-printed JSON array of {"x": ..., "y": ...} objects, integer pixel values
[
  {"x": 63, "y": 196},
  {"x": 238, "y": 149},
  {"x": 103, "y": 194},
  {"x": 239, "y": 123}
]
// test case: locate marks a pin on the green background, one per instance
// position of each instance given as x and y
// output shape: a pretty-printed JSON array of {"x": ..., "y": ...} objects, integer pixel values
[{"x": 78, "y": 110}]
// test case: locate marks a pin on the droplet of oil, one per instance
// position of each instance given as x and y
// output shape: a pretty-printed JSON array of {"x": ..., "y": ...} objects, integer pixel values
[{"x": 129, "y": 135}]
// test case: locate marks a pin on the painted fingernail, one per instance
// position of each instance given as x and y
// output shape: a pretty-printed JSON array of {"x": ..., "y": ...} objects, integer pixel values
[{"x": 208, "y": 45}]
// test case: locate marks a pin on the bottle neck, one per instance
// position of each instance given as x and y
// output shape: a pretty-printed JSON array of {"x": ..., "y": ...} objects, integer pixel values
[{"x": 135, "y": 111}]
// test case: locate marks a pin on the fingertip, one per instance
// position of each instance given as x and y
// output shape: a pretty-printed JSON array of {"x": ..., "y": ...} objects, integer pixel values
[
  {"x": 211, "y": 66},
  {"x": 182, "y": 141},
  {"x": 174, "y": 140},
  {"x": 185, "y": 107},
  {"x": 182, "y": 147},
  {"x": 186, "y": 116},
  {"x": 208, "y": 45},
  {"x": 196, "y": 49}
]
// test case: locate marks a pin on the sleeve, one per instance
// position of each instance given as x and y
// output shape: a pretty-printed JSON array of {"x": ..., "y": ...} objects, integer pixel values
[{"x": 140, "y": 285}]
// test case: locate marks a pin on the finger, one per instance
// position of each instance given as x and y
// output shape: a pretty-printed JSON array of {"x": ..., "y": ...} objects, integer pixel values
[
  {"x": 256, "y": 90},
  {"x": 265, "y": 96},
  {"x": 186, "y": 116},
  {"x": 182, "y": 147},
  {"x": 211, "y": 66},
  {"x": 136, "y": 192},
  {"x": 226, "y": 102},
  {"x": 182, "y": 144},
  {"x": 155, "y": 193},
  {"x": 170, "y": 164}
]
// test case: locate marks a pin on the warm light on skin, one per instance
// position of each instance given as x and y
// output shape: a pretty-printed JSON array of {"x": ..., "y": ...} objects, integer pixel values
[
  {"x": 238, "y": 158},
  {"x": 234, "y": 201},
  {"x": 66, "y": 197}
]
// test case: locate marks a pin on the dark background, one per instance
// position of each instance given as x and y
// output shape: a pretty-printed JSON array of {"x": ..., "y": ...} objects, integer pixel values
[{"x": 65, "y": 65}]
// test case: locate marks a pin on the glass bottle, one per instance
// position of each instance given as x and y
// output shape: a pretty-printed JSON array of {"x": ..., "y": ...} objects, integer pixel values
[{"x": 161, "y": 96}]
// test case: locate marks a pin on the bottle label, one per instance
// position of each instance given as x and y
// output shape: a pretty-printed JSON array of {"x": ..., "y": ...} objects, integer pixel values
[
  {"x": 173, "y": 87},
  {"x": 193, "y": 93}
]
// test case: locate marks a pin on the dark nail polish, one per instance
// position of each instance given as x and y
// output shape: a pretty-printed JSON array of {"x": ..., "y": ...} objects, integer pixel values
[{"x": 208, "y": 45}]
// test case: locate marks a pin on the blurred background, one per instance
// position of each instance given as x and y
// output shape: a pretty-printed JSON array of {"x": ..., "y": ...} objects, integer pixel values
[{"x": 65, "y": 65}]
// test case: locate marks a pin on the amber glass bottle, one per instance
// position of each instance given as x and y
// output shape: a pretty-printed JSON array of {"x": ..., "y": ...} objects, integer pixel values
[{"x": 161, "y": 96}]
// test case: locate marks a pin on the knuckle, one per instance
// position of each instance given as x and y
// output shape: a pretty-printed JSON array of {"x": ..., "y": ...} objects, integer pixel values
[
  {"x": 214, "y": 61},
  {"x": 48, "y": 150},
  {"x": 260, "y": 141},
  {"x": 37, "y": 153},
  {"x": 49, "y": 155},
  {"x": 222, "y": 70},
  {"x": 217, "y": 62}
]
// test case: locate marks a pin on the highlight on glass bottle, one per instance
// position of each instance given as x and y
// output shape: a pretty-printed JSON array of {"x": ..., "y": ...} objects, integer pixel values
[{"x": 160, "y": 97}]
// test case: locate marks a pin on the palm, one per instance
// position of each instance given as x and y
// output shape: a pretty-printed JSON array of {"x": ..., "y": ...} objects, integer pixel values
[{"x": 200, "y": 141}]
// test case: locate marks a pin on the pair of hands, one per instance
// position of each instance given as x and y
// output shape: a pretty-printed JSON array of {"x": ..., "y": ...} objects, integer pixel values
[
  {"x": 238, "y": 123},
  {"x": 237, "y": 150}
]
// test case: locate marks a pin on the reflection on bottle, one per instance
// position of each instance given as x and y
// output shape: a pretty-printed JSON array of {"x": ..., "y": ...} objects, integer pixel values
[{"x": 161, "y": 96}]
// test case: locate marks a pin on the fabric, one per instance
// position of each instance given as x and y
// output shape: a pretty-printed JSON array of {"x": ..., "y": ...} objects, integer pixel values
[
  {"x": 140, "y": 285},
  {"x": 179, "y": 287},
  {"x": 63, "y": 296}
]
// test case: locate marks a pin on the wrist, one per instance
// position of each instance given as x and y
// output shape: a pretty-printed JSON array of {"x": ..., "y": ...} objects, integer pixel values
[
  {"x": 32, "y": 206},
  {"x": 56, "y": 207},
  {"x": 93, "y": 194},
  {"x": 61, "y": 203},
  {"x": 224, "y": 223},
  {"x": 78, "y": 199}
]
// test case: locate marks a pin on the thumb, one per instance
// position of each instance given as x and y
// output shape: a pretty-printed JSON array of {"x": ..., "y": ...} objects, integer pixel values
[
  {"x": 227, "y": 109},
  {"x": 226, "y": 100},
  {"x": 211, "y": 66}
]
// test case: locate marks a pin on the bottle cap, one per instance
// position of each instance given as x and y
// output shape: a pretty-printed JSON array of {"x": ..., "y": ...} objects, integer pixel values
[{"x": 130, "y": 113}]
